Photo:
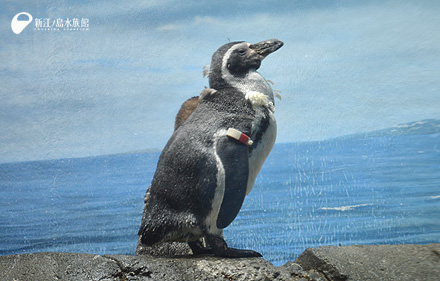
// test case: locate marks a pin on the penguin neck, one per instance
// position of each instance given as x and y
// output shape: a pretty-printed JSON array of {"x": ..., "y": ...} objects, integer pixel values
[{"x": 252, "y": 81}]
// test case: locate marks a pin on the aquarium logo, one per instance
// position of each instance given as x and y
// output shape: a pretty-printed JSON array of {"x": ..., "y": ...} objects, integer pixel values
[
  {"x": 20, "y": 21},
  {"x": 23, "y": 19},
  {"x": 64, "y": 24}
]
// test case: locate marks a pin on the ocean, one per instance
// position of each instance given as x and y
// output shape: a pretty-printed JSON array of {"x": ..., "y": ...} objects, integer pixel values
[{"x": 377, "y": 189}]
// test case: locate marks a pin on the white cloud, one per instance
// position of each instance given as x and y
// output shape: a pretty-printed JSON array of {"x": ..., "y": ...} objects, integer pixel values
[
  {"x": 207, "y": 20},
  {"x": 168, "y": 27}
]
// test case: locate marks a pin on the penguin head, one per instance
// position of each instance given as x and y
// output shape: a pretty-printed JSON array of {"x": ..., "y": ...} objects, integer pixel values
[{"x": 237, "y": 59}]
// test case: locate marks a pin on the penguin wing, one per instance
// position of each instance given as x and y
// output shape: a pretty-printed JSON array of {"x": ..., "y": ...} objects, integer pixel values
[{"x": 235, "y": 159}]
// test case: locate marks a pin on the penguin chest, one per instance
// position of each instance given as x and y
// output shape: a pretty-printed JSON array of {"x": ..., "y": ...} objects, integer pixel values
[{"x": 264, "y": 131}]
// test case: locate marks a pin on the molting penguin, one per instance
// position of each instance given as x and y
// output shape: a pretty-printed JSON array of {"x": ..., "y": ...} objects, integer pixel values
[{"x": 212, "y": 159}]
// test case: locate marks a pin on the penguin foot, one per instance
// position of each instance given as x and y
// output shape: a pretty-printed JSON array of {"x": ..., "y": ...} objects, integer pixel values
[
  {"x": 221, "y": 249},
  {"x": 198, "y": 248},
  {"x": 239, "y": 253}
]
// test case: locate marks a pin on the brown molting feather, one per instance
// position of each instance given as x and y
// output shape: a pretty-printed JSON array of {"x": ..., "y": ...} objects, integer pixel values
[
  {"x": 185, "y": 111},
  {"x": 189, "y": 106}
]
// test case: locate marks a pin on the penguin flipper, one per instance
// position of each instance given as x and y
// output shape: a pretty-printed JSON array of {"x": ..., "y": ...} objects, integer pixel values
[{"x": 235, "y": 159}]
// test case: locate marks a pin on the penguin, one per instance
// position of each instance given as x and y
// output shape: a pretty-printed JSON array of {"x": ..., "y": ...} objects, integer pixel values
[{"x": 211, "y": 161}]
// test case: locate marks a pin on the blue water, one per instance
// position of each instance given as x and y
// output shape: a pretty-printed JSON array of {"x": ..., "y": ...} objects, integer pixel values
[{"x": 375, "y": 190}]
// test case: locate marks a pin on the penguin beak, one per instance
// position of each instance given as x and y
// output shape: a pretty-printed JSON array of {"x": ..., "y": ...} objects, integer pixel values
[{"x": 266, "y": 47}]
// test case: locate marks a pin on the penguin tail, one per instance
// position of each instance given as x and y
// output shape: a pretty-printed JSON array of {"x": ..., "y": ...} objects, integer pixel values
[
  {"x": 149, "y": 238},
  {"x": 154, "y": 230},
  {"x": 166, "y": 226},
  {"x": 156, "y": 223}
]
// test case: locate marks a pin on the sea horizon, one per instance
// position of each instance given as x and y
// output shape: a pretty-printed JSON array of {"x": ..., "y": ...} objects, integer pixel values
[{"x": 435, "y": 127}]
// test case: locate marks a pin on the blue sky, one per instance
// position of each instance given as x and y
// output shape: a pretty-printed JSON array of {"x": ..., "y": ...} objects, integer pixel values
[{"x": 346, "y": 67}]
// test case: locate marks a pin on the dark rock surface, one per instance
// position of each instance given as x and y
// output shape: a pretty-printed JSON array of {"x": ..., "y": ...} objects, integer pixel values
[
  {"x": 57, "y": 266},
  {"x": 374, "y": 262},
  {"x": 381, "y": 262},
  {"x": 68, "y": 266}
]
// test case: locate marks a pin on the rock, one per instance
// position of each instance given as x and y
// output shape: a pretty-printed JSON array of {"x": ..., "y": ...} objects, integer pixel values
[
  {"x": 330, "y": 263},
  {"x": 374, "y": 262},
  {"x": 57, "y": 266},
  {"x": 81, "y": 267},
  {"x": 198, "y": 268}
]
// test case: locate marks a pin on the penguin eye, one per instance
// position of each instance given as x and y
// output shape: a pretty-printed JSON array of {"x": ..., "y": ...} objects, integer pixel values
[{"x": 241, "y": 52}]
